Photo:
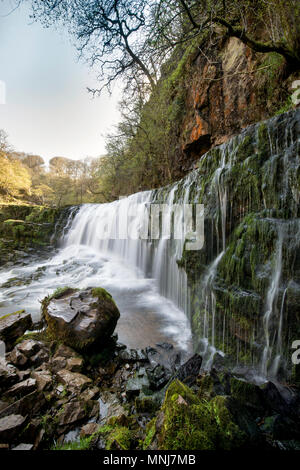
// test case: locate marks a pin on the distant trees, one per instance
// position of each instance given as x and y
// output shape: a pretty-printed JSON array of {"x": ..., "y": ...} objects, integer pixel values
[
  {"x": 15, "y": 179},
  {"x": 25, "y": 177}
]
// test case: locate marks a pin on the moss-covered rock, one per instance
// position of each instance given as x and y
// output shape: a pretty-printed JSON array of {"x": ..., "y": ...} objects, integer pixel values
[
  {"x": 191, "y": 423},
  {"x": 81, "y": 319}
]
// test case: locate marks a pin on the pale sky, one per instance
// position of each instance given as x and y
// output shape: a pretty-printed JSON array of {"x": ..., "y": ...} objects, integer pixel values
[{"x": 48, "y": 110}]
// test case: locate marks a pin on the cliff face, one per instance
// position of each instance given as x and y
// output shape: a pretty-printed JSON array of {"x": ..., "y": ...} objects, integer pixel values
[
  {"x": 244, "y": 284},
  {"x": 227, "y": 87}
]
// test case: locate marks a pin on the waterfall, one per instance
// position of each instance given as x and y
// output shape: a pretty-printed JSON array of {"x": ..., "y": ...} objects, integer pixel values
[
  {"x": 235, "y": 292},
  {"x": 217, "y": 328},
  {"x": 271, "y": 304},
  {"x": 105, "y": 228}
]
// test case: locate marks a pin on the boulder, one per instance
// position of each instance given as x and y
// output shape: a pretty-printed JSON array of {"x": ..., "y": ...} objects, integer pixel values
[
  {"x": 8, "y": 375},
  {"x": 10, "y": 426},
  {"x": 14, "y": 325},
  {"x": 65, "y": 351},
  {"x": 137, "y": 384},
  {"x": 28, "y": 353},
  {"x": 21, "y": 389},
  {"x": 89, "y": 429},
  {"x": 81, "y": 319},
  {"x": 76, "y": 411},
  {"x": 18, "y": 359},
  {"x": 30, "y": 404},
  {"x": 158, "y": 377},
  {"x": 43, "y": 380},
  {"x": 189, "y": 371},
  {"x": 73, "y": 381},
  {"x": 74, "y": 364},
  {"x": 29, "y": 347}
]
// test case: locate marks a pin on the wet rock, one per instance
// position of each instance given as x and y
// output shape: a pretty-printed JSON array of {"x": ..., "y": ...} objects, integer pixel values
[
  {"x": 73, "y": 381},
  {"x": 30, "y": 404},
  {"x": 43, "y": 380},
  {"x": 8, "y": 375},
  {"x": 139, "y": 382},
  {"x": 249, "y": 395},
  {"x": 81, "y": 319},
  {"x": 17, "y": 358},
  {"x": 28, "y": 353},
  {"x": 133, "y": 355},
  {"x": 76, "y": 411},
  {"x": 189, "y": 371},
  {"x": 57, "y": 363},
  {"x": 74, "y": 364},
  {"x": 280, "y": 399},
  {"x": 23, "y": 447},
  {"x": 3, "y": 405},
  {"x": 88, "y": 429},
  {"x": 13, "y": 326},
  {"x": 158, "y": 377},
  {"x": 110, "y": 407},
  {"x": 71, "y": 413},
  {"x": 21, "y": 389},
  {"x": 10, "y": 426},
  {"x": 220, "y": 362},
  {"x": 166, "y": 346},
  {"x": 29, "y": 347},
  {"x": 40, "y": 358},
  {"x": 24, "y": 374},
  {"x": 90, "y": 393},
  {"x": 65, "y": 352}
]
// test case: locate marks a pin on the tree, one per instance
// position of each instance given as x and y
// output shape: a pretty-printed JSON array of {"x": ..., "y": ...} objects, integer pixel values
[
  {"x": 279, "y": 19},
  {"x": 109, "y": 34},
  {"x": 14, "y": 178}
]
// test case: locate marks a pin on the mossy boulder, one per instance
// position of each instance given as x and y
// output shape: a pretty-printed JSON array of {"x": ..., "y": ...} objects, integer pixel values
[
  {"x": 14, "y": 325},
  {"x": 187, "y": 422},
  {"x": 83, "y": 320}
]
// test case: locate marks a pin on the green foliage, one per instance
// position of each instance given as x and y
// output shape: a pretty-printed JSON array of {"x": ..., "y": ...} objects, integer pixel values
[
  {"x": 83, "y": 444},
  {"x": 192, "y": 423}
]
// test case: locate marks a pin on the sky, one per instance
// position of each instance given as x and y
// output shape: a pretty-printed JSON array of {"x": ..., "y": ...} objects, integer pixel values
[{"x": 47, "y": 109}]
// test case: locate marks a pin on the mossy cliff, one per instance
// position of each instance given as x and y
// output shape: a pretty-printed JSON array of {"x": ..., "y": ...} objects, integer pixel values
[
  {"x": 24, "y": 226},
  {"x": 188, "y": 422},
  {"x": 249, "y": 265}
]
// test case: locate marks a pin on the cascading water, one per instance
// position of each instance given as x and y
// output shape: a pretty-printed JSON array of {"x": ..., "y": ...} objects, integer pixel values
[
  {"x": 96, "y": 250},
  {"x": 271, "y": 302}
]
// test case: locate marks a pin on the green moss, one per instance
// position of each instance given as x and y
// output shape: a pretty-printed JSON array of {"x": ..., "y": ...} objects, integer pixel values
[
  {"x": 150, "y": 434},
  {"x": 229, "y": 435},
  {"x": 119, "y": 438},
  {"x": 245, "y": 149},
  {"x": 101, "y": 294},
  {"x": 12, "y": 314},
  {"x": 83, "y": 444},
  {"x": 195, "y": 424}
]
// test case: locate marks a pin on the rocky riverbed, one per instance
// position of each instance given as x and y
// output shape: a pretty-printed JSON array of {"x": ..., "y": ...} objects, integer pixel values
[{"x": 101, "y": 395}]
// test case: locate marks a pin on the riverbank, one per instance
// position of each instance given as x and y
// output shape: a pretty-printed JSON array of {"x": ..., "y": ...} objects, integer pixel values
[{"x": 55, "y": 397}]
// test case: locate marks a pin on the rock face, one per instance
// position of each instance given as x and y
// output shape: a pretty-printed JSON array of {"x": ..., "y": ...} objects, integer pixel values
[
  {"x": 13, "y": 326},
  {"x": 81, "y": 319},
  {"x": 10, "y": 426}
]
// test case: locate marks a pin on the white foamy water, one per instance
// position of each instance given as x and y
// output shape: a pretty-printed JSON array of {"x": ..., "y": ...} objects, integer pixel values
[{"x": 88, "y": 258}]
